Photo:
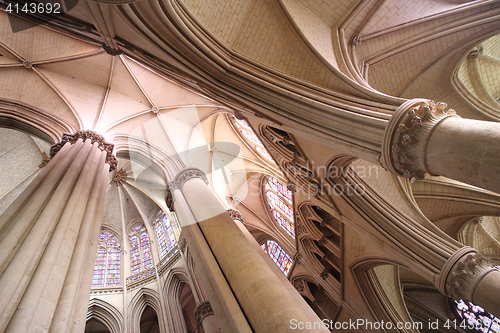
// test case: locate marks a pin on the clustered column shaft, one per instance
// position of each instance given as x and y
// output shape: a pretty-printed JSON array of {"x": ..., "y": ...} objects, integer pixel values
[{"x": 45, "y": 235}]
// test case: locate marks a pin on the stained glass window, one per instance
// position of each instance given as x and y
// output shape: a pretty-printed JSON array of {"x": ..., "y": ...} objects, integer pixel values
[
  {"x": 135, "y": 255},
  {"x": 140, "y": 252},
  {"x": 146, "y": 253},
  {"x": 165, "y": 233},
  {"x": 162, "y": 239},
  {"x": 107, "y": 262},
  {"x": 278, "y": 255},
  {"x": 477, "y": 318},
  {"x": 279, "y": 187},
  {"x": 113, "y": 274},
  {"x": 99, "y": 268},
  {"x": 279, "y": 199},
  {"x": 247, "y": 131}
]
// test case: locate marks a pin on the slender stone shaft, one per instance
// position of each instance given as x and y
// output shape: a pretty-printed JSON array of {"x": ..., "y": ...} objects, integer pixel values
[
  {"x": 43, "y": 234},
  {"x": 229, "y": 314},
  {"x": 263, "y": 298}
]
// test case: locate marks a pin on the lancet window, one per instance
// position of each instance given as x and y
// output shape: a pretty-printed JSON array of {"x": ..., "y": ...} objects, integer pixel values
[
  {"x": 107, "y": 262},
  {"x": 279, "y": 199},
  {"x": 246, "y": 130},
  {"x": 165, "y": 233},
  {"x": 140, "y": 251},
  {"x": 279, "y": 256}
]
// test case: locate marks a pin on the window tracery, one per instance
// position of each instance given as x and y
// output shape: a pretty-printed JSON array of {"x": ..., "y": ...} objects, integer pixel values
[
  {"x": 279, "y": 199},
  {"x": 107, "y": 262},
  {"x": 477, "y": 318},
  {"x": 279, "y": 256},
  {"x": 246, "y": 130},
  {"x": 165, "y": 233},
  {"x": 140, "y": 252}
]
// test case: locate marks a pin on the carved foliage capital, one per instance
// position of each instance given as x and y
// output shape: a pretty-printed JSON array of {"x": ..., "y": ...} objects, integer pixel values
[
  {"x": 169, "y": 199},
  {"x": 462, "y": 272},
  {"x": 299, "y": 285},
  {"x": 463, "y": 278},
  {"x": 324, "y": 273},
  {"x": 203, "y": 310},
  {"x": 235, "y": 215},
  {"x": 88, "y": 135},
  {"x": 239, "y": 115},
  {"x": 297, "y": 258},
  {"x": 476, "y": 52},
  {"x": 182, "y": 243},
  {"x": 407, "y": 135},
  {"x": 110, "y": 50},
  {"x": 184, "y": 176},
  {"x": 322, "y": 241}
]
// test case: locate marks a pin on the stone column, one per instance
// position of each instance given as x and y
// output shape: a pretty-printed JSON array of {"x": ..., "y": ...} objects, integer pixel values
[
  {"x": 456, "y": 270},
  {"x": 422, "y": 137},
  {"x": 238, "y": 218},
  {"x": 45, "y": 234},
  {"x": 469, "y": 275},
  {"x": 263, "y": 298},
  {"x": 205, "y": 317},
  {"x": 228, "y": 312}
]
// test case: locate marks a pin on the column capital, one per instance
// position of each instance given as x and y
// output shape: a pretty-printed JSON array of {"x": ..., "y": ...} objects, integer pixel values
[
  {"x": 299, "y": 285},
  {"x": 182, "y": 243},
  {"x": 462, "y": 273},
  {"x": 235, "y": 215},
  {"x": 475, "y": 52},
  {"x": 407, "y": 135},
  {"x": 184, "y": 175},
  {"x": 203, "y": 310},
  {"x": 169, "y": 199},
  {"x": 94, "y": 137}
]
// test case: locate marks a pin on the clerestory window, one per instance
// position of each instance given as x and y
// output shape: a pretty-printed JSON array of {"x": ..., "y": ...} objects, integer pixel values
[
  {"x": 254, "y": 141},
  {"x": 279, "y": 199},
  {"x": 165, "y": 233},
  {"x": 107, "y": 262},
  {"x": 140, "y": 251},
  {"x": 279, "y": 256}
]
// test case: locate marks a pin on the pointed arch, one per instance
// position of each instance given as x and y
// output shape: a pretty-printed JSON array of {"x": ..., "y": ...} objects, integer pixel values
[
  {"x": 143, "y": 298},
  {"x": 318, "y": 298},
  {"x": 140, "y": 248},
  {"x": 172, "y": 287},
  {"x": 34, "y": 121},
  {"x": 384, "y": 305},
  {"x": 164, "y": 233},
  {"x": 107, "y": 314}
]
